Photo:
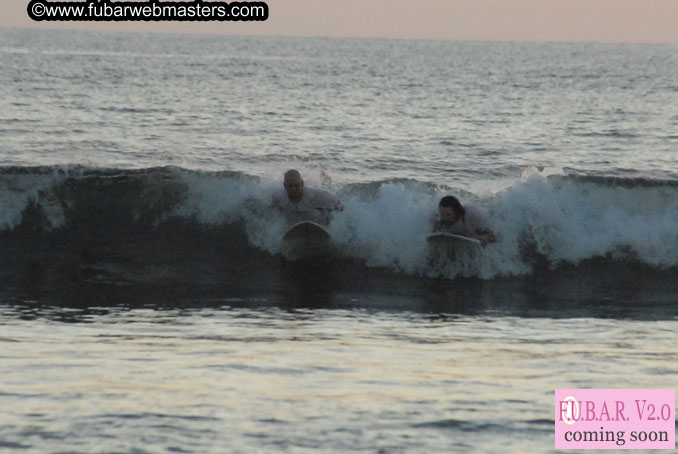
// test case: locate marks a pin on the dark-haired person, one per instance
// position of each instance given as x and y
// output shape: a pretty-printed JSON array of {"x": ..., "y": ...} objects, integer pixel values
[
  {"x": 454, "y": 218},
  {"x": 298, "y": 203}
]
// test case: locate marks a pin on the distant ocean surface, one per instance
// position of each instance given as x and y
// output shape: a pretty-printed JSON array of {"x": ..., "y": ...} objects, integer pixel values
[{"x": 145, "y": 306}]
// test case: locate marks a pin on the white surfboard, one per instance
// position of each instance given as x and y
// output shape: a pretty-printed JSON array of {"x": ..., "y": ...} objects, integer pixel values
[
  {"x": 306, "y": 239},
  {"x": 451, "y": 238},
  {"x": 445, "y": 247}
]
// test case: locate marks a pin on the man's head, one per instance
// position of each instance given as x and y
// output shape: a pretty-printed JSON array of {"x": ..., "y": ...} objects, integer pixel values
[
  {"x": 293, "y": 184},
  {"x": 450, "y": 209}
]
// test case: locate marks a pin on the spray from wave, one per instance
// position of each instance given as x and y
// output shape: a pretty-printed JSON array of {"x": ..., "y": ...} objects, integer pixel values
[{"x": 540, "y": 221}]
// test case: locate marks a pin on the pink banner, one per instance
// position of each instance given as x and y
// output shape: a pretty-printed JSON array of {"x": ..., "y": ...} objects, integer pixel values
[{"x": 615, "y": 418}]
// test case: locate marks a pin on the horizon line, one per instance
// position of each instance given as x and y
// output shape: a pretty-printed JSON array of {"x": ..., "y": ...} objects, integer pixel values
[{"x": 329, "y": 37}]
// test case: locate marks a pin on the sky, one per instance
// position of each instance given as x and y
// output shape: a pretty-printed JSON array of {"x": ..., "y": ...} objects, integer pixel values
[{"x": 617, "y": 21}]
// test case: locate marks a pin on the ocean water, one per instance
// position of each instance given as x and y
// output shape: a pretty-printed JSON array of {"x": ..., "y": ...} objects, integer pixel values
[{"x": 145, "y": 305}]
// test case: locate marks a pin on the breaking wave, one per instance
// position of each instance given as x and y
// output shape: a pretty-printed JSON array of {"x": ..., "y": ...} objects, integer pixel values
[{"x": 153, "y": 216}]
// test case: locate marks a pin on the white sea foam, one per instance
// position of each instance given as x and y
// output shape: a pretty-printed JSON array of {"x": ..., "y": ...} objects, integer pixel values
[
  {"x": 554, "y": 220},
  {"x": 20, "y": 190},
  {"x": 569, "y": 220}
]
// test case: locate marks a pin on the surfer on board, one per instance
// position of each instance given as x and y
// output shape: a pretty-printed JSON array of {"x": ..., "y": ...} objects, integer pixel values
[
  {"x": 454, "y": 218},
  {"x": 298, "y": 203}
]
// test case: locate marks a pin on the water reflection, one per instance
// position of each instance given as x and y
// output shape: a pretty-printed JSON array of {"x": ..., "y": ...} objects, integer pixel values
[{"x": 588, "y": 290}]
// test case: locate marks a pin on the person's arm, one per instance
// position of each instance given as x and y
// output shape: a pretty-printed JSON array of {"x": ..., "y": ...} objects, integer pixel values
[
  {"x": 332, "y": 204},
  {"x": 278, "y": 202},
  {"x": 338, "y": 205},
  {"x": 480, "y": 229},
  {"x": 327, "y": 202},
  {"x": 435, "y": 224},
  {"x": 275, "y": 201},
  {"x": 485, "y": 236}
]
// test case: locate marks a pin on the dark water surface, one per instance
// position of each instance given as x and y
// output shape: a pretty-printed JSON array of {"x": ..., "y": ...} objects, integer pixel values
[{"x": 144, "y": 303}]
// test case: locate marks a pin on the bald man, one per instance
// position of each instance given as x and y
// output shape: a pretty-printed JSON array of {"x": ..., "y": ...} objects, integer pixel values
[{"x": 298, "y": 203}]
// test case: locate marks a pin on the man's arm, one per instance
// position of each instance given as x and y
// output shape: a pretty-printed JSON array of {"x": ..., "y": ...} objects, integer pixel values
[
  {"x": 337, "y": 205},
  {"x": 485, "y": 236},
  {"x": 480, "y": 230}
]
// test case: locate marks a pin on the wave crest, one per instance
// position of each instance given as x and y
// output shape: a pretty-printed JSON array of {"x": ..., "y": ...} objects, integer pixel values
[{"x": 540, "y": 221}]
